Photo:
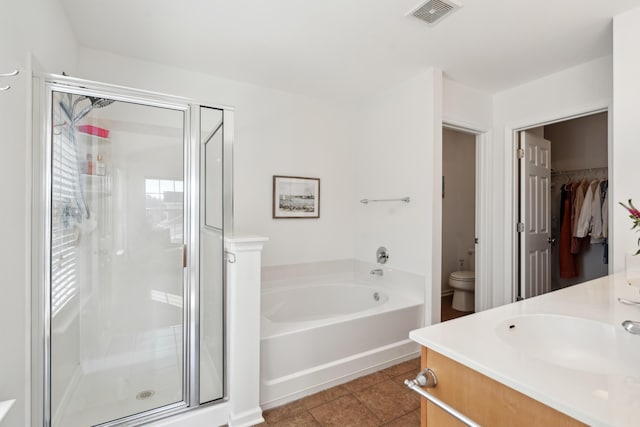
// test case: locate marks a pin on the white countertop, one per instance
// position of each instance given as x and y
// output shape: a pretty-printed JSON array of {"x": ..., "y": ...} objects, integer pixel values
[{"x": 607, "y": 397}]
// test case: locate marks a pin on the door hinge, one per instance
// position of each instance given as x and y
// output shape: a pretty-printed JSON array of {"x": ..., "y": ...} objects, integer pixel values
[
  {"x": 521, "y": 153},
  {"x": 230, "y": 257},
  {"x": 520, "y": 227}
]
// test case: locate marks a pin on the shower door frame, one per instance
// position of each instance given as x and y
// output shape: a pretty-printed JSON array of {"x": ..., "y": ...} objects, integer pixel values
[{"x": 44, "y": 86}]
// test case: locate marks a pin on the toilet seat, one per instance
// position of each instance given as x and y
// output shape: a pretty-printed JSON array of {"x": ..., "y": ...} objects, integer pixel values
[{"x": 463, "y": 276}]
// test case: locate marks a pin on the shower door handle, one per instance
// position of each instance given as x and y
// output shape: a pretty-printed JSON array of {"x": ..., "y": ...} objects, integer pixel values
[{"x": 184, "y": 256}]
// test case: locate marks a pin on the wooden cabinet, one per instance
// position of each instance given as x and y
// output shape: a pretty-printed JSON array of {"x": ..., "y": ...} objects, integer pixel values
[{"x": 482, "y": 399}]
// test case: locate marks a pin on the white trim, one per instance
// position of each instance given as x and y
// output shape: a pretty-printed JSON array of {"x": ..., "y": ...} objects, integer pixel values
[
  {"x": 433, "y": 298},
  {"x": 28, "y": 176},
  {"x": 243, "y": 325},
  {"x": 510, "y": 279},
  {"x": 75, "y": 82},
  {"x": 463, "y": 126},
  {"x": 484, "y": 200},
  {"x": 246, "y": 418},
  {"x": 483, "y": 289}
]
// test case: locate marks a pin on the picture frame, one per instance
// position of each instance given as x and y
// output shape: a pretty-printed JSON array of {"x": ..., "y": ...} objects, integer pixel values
[{"x": 295, "y": 197}]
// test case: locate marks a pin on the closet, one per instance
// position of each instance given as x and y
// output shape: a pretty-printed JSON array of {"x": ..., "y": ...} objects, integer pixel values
[
  {"x": 562, "y": 204},
  {"x": 579, "y": 181}
]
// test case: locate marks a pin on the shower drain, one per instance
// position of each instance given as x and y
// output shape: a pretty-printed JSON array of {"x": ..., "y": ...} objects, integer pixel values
[{"x": 145, "y": 394}]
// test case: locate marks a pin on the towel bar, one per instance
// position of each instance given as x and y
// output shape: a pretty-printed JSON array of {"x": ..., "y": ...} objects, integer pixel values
[
  {"x": 427, "y": 378},
  {"x": 403, "y": 199}
]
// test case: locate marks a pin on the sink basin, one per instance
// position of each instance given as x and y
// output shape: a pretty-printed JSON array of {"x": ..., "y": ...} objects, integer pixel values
[{"x": 570, "y": 342}]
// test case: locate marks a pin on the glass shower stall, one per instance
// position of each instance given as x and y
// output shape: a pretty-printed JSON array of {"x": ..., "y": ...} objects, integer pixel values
[{"x": 132, "y": 198}]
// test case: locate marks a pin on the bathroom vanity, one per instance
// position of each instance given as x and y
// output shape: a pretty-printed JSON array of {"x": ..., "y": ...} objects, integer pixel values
[{"x": 560, "y": 359}]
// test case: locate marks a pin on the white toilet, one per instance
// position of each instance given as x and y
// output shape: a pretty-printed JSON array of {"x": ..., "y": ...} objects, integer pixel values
[{"x": 464, "y": 285}]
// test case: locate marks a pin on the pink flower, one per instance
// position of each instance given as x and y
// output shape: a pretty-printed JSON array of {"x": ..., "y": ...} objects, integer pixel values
[{"x": 635, "y": 213}]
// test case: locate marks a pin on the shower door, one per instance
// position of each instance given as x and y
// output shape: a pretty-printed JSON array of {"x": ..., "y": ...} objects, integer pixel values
[
  {"x": 117, "y": 287},
  {"x": 120, "y": 243}
]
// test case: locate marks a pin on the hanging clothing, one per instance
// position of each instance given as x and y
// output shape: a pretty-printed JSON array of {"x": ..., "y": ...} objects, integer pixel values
[
  {"x": 579, "y": 193},
  {"x": 586, "y": 218},
  {"x": 568, "y": 268},
  {"x": 604, "y": 195},
  {"x": 596, "y": 215},
  {"x": 563, "y": 196}
]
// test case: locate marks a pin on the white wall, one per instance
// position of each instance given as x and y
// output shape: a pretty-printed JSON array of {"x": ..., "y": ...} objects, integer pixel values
[
  {"x": 400, "y": 134},
  {"x": 39, "y": 27},
  {"x": 277, "y": 133},
  {"x": 459, "y": 201},
  {"x": 574, "y": 91},
  {"x": 466, "y": 107},
  {"x": 625, "y": 152}
]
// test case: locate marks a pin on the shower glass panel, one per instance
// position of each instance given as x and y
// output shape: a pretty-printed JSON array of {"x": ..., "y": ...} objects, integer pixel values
[
  {"x": 212, "y": 255},
  {"x": 117, "y": 281}
]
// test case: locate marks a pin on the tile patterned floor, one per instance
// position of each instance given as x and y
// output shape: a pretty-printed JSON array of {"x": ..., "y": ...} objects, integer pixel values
[{"x": 378, "y": 399}]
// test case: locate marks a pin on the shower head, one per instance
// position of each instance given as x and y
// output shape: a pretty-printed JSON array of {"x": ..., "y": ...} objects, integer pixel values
[
  {"x": 100, "y": 102},
  {"x": 94, "y": 103},
  {"x": 69, "y": 108}
]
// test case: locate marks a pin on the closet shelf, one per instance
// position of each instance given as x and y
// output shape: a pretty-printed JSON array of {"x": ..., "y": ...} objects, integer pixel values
[{"x": 578, "y": 171}]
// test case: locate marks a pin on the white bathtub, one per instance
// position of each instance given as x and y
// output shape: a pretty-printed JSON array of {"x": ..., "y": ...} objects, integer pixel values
[{"x": 316, "y": 336}]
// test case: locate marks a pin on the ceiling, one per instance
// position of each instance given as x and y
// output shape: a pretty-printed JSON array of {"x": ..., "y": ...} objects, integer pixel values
[{"x": 345, "y": 49}]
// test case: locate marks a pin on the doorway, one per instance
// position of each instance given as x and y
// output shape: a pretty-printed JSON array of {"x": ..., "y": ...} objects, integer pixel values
[
  {"x": 562, "y": 204},
  {"x": 459, "y": 183}
]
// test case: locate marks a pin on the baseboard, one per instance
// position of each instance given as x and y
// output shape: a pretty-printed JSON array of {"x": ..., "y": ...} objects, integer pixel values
[{"x": 247, "y": 418}]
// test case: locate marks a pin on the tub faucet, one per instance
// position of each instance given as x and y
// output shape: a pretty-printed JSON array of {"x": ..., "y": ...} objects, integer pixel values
[{"x": 376, "y": 271}]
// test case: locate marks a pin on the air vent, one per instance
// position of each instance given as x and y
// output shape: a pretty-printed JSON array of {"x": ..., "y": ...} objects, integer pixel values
[{"x": 435, "y": 11}]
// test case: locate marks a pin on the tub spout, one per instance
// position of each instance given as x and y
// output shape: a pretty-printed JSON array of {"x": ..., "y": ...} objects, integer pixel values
[{"x": 376, "y": 271}]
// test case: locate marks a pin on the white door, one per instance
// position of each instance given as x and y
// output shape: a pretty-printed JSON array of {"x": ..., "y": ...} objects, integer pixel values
[{"x": 535, "y": 178}]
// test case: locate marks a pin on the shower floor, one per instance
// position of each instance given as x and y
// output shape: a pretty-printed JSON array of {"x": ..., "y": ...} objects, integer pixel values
[{"x": 108, "y": 388}]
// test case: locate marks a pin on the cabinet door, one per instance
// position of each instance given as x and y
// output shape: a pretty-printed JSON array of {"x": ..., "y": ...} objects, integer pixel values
[{"x": 482, "y": 399}]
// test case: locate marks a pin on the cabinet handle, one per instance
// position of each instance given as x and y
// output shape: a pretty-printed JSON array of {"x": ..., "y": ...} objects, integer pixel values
[{"x": 427, "y": 378}]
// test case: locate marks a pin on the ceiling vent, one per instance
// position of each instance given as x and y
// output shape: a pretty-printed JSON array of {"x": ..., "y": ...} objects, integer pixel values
[{"x": 435, "y": 11}]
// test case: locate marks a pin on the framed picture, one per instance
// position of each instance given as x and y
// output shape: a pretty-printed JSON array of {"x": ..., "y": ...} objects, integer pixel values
[{"x": 296, "y": 197}]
